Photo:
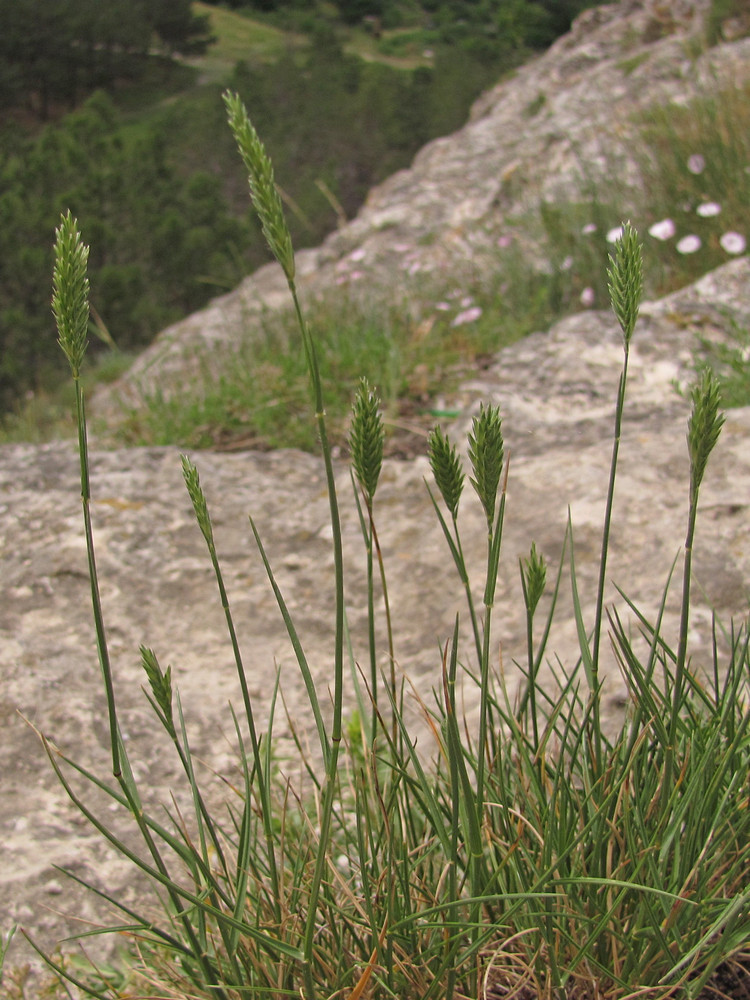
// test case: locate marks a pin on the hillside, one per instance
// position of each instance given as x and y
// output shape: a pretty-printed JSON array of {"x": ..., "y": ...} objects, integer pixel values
[
  {"x": 515, "y": 205},
  {"x": 142, "y": 156}
]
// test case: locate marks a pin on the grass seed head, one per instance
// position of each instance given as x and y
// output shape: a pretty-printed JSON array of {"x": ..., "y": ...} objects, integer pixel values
[
  {"x": 535, "y": 578},
  {"x": 446, "y": 468},
  {"x": 160, "y": 682},
  {"x": 263, "y": 191},
  {"x": 366, "y": 439},
  {"x": 70, "y": 297},
  {"x": 625, "y": 275},
  {"x": 704, "y": 425},
  {"x": 198, "y": 498},
  {"x": 486, "y": 453}
]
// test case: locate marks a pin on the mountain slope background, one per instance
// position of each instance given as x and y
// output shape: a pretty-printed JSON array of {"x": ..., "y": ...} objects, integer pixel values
[
  {"x": 124, "y": 125},
  {"x": 510, "y": 215}
]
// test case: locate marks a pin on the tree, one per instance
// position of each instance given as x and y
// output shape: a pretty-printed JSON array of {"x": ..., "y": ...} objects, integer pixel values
[
  {"x": 161, "y": 243},
  {"x": 49, "y": 47},
  {"x": 354, "y": 11},
  {"x": 180, "y": 30},
  {"x": 53, "y": 50}
]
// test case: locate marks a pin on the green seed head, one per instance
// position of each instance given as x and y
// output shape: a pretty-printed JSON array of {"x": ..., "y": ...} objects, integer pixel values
[
  {"x": 446, "y": 468},
  {"x": 486, "y": 453},
  {"x": 70, "y": 296},
  {"x": 625, "y": 275},
  {"x": 161, "y": 683},
  {"x": 263, "y": 191},
  {"x": 198, "y": 498},
  {"x": 366, "y": 439},
  {"x": 534, "y": 572},
  {"x": 704, "y": 425}
]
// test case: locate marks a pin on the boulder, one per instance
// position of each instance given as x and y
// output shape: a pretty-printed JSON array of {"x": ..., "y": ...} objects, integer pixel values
[{"x": 559, "y": 127}]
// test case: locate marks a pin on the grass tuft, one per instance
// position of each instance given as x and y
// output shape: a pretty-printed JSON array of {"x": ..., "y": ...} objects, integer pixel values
[{"x": 529, "y": 855}]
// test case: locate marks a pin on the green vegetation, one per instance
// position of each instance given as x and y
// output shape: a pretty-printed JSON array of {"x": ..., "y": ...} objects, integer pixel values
[
  {"x": 697, "y": 177},
  {"x": 53, "y": 52},
  {"x": 723, "y": 11},
  {"x": 255, "y": 394},
  {"x": 145, "y": 162},
  {"x": 535, "y": 855},
  {"x": 238, "y": 39},
  {"x": 124, "y": 186},
  {"x": 512, "y": 23},
  {"x": 693, "y": 158},
  {"x": 729, "y": 359}
]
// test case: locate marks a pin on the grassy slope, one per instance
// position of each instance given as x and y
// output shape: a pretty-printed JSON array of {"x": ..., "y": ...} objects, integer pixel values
[
  {"x": 237, "y": 38},
  {"x": 240, "y": 37}
]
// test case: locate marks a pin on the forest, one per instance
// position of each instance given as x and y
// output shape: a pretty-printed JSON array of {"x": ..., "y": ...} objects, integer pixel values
[{"x": 106, "y": 109}]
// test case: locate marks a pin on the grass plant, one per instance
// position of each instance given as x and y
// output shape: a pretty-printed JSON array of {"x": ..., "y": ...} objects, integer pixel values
[
  {"x": 415, "y": 350},
  {"x": 4, "y": 945},
  {"x": 695, "y": 171},
  {"x": 729, "y": 360},
  {"x": 533, "y": 856}
]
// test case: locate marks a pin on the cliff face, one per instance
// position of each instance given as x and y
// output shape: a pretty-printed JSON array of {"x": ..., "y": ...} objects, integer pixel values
[
  {"x": 556, "y": 391},
  {"x": 561, "y": 125}
]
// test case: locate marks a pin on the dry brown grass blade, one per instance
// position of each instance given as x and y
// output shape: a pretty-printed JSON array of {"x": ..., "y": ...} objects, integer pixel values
[{"x": 364, "y": 979}]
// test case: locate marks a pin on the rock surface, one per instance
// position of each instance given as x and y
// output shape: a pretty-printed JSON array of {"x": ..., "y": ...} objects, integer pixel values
[{"x": 556, "y": 391}]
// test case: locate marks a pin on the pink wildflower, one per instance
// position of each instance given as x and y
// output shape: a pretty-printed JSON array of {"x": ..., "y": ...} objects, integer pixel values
[
  {"x": 663, "y": 230},
  {"x": 467, "y": 316},
  {"x": 708, "y": 209},
  {"x": 689, "y": 244},
  {"x": 733, "y": 243}
]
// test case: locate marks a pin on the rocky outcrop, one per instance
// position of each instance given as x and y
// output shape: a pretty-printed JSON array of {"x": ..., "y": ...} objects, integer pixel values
[
  {"x": 563, "y": 123},
  {"x": 556, "y": 392}
]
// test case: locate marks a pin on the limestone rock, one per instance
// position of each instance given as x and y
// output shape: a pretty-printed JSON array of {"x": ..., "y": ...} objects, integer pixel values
[{"x": 556, "y": 392}]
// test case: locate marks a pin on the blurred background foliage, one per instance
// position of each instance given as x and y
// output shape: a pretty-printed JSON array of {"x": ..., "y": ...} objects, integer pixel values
[{"x": 113, "y": 110}]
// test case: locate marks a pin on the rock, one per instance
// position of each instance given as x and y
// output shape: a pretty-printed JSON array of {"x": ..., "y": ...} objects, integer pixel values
[
  {"x": 563, "y": 120},
  {"x": 556, "y": 392}
]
